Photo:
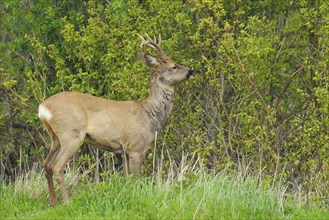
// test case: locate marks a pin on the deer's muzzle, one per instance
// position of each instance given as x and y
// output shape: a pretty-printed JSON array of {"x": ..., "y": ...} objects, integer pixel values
[{"x": 189, "y": 74}]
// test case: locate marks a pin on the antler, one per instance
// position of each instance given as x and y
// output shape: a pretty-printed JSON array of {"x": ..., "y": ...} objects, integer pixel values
[{"x": 155, "y": 44}]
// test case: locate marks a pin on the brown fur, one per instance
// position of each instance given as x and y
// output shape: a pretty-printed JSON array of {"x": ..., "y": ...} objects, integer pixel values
[{"x": 123, "y": 127}]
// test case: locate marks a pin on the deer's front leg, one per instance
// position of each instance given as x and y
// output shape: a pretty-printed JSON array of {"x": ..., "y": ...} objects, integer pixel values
[
  {"x": 125, "y": 164},
  {"x": 135, "y": 163}
]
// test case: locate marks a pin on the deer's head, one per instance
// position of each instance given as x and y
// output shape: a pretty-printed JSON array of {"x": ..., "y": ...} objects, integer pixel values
[{"x": 165, "y": 70}]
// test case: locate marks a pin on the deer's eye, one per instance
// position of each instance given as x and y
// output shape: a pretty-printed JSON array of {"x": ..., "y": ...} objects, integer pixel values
[{"x": 175, "y": 67}]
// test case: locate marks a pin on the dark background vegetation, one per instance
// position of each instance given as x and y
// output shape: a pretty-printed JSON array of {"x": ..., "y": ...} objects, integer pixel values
[{"x": 260, "y": 102}]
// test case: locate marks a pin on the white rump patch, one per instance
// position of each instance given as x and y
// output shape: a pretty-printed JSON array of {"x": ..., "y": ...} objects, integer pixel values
[{"x": 44, "y": 113}]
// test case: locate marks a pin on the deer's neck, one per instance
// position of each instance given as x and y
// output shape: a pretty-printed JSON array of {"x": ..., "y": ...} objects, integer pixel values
[{"x": 159, "y": 105}]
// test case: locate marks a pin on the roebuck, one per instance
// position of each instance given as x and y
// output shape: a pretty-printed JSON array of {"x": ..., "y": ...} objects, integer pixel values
[{"x": 123, "y": 127}]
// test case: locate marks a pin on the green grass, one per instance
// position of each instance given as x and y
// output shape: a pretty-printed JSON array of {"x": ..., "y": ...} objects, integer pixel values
[{"x": 196, "y": 197}]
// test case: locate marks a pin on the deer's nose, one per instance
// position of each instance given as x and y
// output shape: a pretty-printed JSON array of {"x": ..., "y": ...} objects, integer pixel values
[{"x": 189, "y": 74}]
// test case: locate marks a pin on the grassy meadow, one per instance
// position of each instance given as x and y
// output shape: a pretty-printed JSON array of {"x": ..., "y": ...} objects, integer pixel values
[
  {"x": 259, "y": 102},
  {"x": 194, "y": 196}
]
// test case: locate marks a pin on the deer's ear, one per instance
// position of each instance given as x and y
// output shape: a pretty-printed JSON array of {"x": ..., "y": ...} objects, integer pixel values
[{"x": 149, "y": 60}]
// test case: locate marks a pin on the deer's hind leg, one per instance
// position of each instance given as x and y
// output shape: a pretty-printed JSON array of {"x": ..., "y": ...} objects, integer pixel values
[
  {"x": 54, "y": 150},
  {"x": 69, "y": 145}
]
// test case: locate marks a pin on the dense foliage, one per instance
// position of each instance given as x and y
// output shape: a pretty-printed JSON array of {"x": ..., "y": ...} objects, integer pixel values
[{"x": 259, "y": 103}]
